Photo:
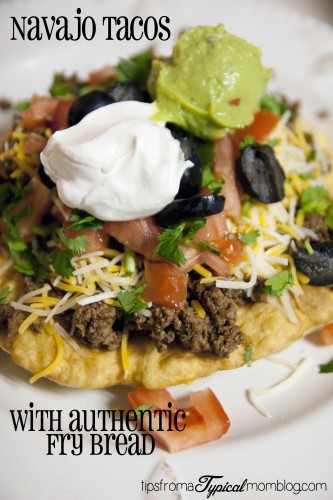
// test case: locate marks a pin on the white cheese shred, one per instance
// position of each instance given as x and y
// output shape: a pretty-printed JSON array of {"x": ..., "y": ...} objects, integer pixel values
[{"x": 296, "y": 373}]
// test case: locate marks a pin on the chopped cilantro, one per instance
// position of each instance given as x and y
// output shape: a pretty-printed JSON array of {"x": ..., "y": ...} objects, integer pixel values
[
  {"x": 205, "y": 245},
  {"x": 312, "y": 155},
  {"x": 274, "y": 104},
  {"x": 245, "y": 208},
  {"x": 248, "y": 139},
  {"x": 209, "y": 180},
  {"x": 61, "y": 261},
  {"x": 326, "y": 368},
  {"x": 248, "y": 355},
  {"x": 76, "y": 245},
  {"x": 59, "y": 87},
  {"x": 206, "y": 152},
  {"x": 277, "y": 283},
  {"x": 172, "y": 237},
  {"x": 329, "y": 218},
  {"x": 308, "y": 247},
  {"x": 249, "y": 238},
  {"x": 135, "y": 70},
  {"x": 89, "y": 88},
  {"x": 22, "y": 106},
  {"x": 273, "y": 142},
  {"x": 45, "y": 231},
  {"x": 4, "y": 295},
  {"x": 169, "y": 244},
  {"x": 192, "y": 229},
  {"x": 128, "y": 301},
  {"x": 142, "y": 408},
  {"x": 83, "y": 220},
  {"x": 315, "y": 199}
]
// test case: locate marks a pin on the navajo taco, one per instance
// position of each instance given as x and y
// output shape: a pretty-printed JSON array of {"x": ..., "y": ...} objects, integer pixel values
[{"x": 165, "y": 219}]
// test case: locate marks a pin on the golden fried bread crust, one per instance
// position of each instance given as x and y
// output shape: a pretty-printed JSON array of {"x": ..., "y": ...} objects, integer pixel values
[{"x": 268, "y": 328}]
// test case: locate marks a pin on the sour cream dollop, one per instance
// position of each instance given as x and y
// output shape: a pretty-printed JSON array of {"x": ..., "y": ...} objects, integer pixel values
[{"x": 117, "y": 163}]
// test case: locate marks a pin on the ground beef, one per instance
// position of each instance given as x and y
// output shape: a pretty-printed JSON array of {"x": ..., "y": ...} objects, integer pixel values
[
  {"x": 30, "y": 285},
  {"x": 10, "y": 319},
  {"x": 317, "y": 225},
  {"x": 94, "y": 326},
  {"x": 216, "y": 332}
]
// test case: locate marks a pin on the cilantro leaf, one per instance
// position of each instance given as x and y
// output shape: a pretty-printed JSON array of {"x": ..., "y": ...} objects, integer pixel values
[
  {"x": 142, "y": 408},
  {"x": 169, "y": 245},
  {"x": 312, "y": 155},
  {"x": 209, "y": 180},
  {"x": 76, "y": 245},
  {"x": 22, "y": 106},
  {"x": 83, "y": 220},
  {"x": 205, "y": 245},
  {"x": 326, "y": 368},
  {"x": 245, "y": 208},
  {"x": 61, "y": 261},
  {"x": 273, "y": 142},
  {"x": 172, "y": 237},
  {"x": 277, "y": 283},
  {"x": 129, "y": 302},
  {"x": 274, "y": 104},
  {"x": 315, "y": 199},
  {"x": 248, "y": 140},
  {"x": 249, "y": 238},
  {"x": 248, "y": 355},
  {"x": 5, "y": 293},
  {"x": 329, "y": 218},
  {"x": 206, "y": 152},
  {"x": 135, "y": 70},
  {"x": 59, "y": 87},
  {"x": 191, "y": 230}
]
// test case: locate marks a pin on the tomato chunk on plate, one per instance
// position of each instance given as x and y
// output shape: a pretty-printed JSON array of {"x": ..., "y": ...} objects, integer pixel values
[{"x": 205, "y": 421}]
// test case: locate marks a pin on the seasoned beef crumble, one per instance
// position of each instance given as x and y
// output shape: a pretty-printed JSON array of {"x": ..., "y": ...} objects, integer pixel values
[{"x": 99, "y": 326}]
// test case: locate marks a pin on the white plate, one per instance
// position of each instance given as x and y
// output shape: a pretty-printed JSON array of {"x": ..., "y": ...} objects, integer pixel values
[{"x": 295, "y": 444}]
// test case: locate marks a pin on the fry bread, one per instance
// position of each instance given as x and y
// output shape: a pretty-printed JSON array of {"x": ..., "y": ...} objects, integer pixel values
[{"x": 270, "y": 331}]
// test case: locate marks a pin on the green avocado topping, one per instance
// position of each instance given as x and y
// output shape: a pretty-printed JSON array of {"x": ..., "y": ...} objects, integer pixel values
[{"x": 213, "y": 82}]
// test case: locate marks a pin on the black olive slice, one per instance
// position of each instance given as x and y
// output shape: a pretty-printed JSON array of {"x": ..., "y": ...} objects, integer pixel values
[
  {"x": 190, "y": 208},
  {"x": 46, "y": 180},
  {"x": 260, "y": 173},
  {"x": 87, "y": 103},
  {"x": 191, "y": 181},
  {"x": 128, "y": 92},
  {"x": 318, "y": 267}
]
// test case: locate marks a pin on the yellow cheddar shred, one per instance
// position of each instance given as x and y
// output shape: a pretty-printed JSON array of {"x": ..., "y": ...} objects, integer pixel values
[{"x": 60, "y": 352}]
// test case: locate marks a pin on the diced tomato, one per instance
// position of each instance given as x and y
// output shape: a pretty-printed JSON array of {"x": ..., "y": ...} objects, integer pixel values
[
  {"x": 192, "y": 256},
  {"x": 326, "y": 334},
  {"x": 263, "y": 124},
  {"x": 204, "y": 422},
  {"x": 215, "y": 262},
  {"x": 34, "y": 143},
  {"x": 40, "y": 113},
  {"x": 215, "y": 228},
  {"x": 102, "y": 76},
  {"x": 166, "y": 284},
  {"x": 97, "y": 240},
  {"x": 224, "y": 165},
  {"x": 231, "y": 248},
  {"x": 60, "y": 211},
  {"x": 60, "y": 118},
  {"x": 139, "y": 234}
]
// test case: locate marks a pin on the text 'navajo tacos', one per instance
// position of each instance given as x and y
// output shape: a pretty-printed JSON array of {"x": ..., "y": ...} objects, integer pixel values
[{"x": 164, "y": 220}]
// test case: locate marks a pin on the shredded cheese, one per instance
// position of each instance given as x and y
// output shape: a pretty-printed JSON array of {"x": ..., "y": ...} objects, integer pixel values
[
  {"x": 253, "y": 394},
  {"x": 198, "y": 308},
  {"x": 124, "y": 352},
  {"x": 55, "y": 363}
]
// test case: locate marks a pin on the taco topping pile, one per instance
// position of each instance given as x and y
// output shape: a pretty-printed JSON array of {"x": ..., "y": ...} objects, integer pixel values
[{"x": 155, "y": 198}]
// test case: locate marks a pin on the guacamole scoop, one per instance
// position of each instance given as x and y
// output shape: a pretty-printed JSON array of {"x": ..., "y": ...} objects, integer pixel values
[{"x": 212, "y": 83}]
